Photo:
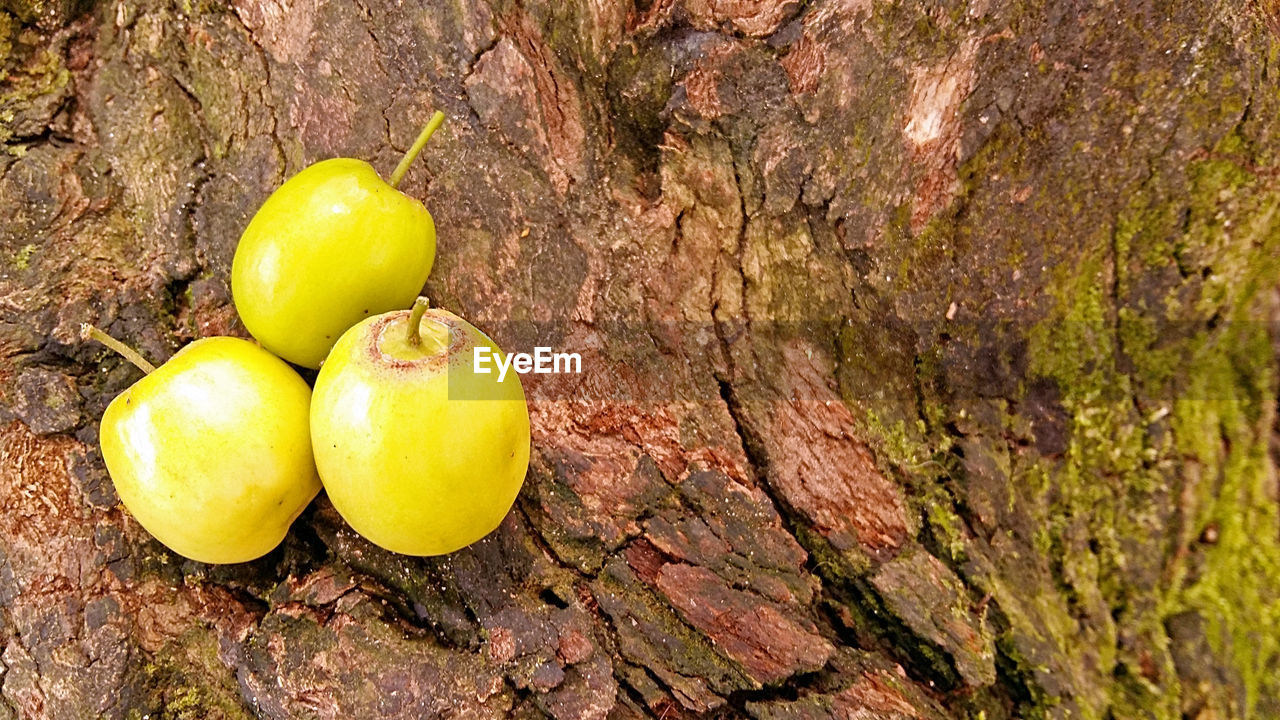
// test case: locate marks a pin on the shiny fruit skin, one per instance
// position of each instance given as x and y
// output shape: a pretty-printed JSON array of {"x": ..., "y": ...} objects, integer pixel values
[
  {"x": 409, "y": 467},
  {"x": 333, "y": 245},
  {"x": 211, "y": 452}
]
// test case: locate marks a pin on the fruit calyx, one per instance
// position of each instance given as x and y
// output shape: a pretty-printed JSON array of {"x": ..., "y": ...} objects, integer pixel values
[
  {"x": 427, "y": 131},
  {"x": 89, "y": 332},
  {"x": 428, "y": 336}
]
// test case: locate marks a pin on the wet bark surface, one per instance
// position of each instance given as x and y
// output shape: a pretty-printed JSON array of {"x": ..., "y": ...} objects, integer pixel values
[{"x": 929, "y": 355}]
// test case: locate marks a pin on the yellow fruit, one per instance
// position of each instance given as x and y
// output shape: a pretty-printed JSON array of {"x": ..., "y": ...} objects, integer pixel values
[
  {"x": 418, "y": 452},
  {"x": 211, "y": 452},
  {"x": 331, "y": 246}
]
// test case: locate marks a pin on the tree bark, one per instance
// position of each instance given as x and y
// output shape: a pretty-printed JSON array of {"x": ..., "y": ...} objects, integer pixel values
[{"x": 929, "y": 355}]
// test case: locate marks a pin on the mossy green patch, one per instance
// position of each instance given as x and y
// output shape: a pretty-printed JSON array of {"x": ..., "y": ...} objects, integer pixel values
[
  {"x": 186, "y": 680},
  {"x": 8, "y": 28},
  {"x": 1152, "y": 390},
  {"x": 921, "y": 454},
  {"x": 33, "y": 75},
  {"x": 1223, "y": 419},
  {"x": 902, "y": 446},
  {"x": 22, "y": 258}
]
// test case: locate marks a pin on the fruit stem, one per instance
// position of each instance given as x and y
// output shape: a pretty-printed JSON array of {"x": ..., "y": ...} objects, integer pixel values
[
  {"x": 427, "y": 131},
  {"x": 414, "y": 336},
  {"x": 88, "y": 332}
]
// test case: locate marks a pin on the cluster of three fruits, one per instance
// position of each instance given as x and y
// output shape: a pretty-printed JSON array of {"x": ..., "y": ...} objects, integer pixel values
[{"x": 218, "y": 451}]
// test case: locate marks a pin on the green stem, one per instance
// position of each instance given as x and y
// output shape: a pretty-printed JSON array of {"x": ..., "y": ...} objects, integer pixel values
[
  {"x": 414, "y": 335},
  {"x": 427, "y": 131},
  {"x": 88, "y": 332}
]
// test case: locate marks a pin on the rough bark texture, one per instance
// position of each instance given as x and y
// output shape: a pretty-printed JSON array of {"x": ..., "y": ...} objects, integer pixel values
[{"x": 930, "y": 355}]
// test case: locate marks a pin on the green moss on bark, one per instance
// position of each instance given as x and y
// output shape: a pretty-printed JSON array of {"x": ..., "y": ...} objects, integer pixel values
[
  {"x": 186, "y": 680},
  {"x": 1222, "y": 421},
  {"x": 1156, "y": 394}
]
